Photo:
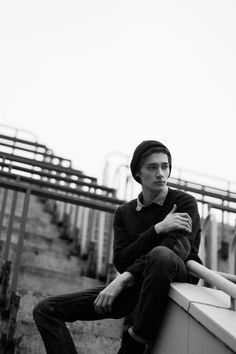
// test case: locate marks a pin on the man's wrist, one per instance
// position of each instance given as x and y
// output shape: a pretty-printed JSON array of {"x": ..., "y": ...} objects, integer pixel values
[
  {"x": 158, "y": 228},
  {"x": 127, "y": 278}
]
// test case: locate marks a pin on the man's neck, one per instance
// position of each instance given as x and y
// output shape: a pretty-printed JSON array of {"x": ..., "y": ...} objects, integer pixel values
[{"x": 149, "y": 196}]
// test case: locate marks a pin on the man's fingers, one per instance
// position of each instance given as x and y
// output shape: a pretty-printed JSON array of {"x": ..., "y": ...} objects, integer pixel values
[
  {"x": 173, "y": 209},
  {"x": 102, "y": 304},
  {"x": 185, "y": 226},
  {"x": 98, "y": 304},
  {"x": 109, "y": 305},
  {"x": 184, "y": 217}
]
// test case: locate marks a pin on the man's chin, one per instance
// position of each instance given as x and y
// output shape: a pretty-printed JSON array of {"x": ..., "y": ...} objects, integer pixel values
[{"x": 159, "y": 187}]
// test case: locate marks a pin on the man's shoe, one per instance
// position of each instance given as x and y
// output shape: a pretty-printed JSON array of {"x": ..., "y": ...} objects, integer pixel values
[{"x": 130, "y": 346}]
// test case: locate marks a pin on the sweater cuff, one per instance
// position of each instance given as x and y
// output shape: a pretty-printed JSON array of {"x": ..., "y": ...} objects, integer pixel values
[{"x": 134, "y": 271}]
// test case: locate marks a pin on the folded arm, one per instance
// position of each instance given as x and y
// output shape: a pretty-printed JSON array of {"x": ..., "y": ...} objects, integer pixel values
[{"x": 176, "y": 231}]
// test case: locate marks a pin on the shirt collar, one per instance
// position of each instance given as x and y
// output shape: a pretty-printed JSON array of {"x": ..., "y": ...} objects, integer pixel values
[{"x": 159, "y": 199}]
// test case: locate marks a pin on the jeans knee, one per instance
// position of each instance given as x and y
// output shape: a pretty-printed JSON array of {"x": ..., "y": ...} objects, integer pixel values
[
  {"x": 161, "y": 257},
  {"x": 41, "y": 309}
]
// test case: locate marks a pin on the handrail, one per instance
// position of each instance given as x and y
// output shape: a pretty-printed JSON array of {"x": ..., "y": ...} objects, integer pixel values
[
  {"x": 63, "y": 188},
  {"x": 67, "y": 179},
  {"x": 214, "y": 279},
  {"x": 202, "y": 189},
  {"x": 70, "y": 171},
  {"x": 217, "y": 206},
  {"x": 45, "y": 165},
  {"x": 176, "y": 183},
  {"x": 23, "y": 141},
  {"x": 44, "y": 154},
  {"x": 104, "y": 203},
  {"x": 188, "y": 171},
  {"x": 78, "y": 182},
  {"x": 230, "y": 277},
  {"x": 19, "y": 130}
]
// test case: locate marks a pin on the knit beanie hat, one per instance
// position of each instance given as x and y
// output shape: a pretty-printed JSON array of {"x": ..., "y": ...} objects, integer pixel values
[{"x": 140, "y": 150}]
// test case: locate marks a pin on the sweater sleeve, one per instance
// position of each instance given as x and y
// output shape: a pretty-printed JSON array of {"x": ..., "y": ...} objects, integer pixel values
[
  {"x": 181, "y": 241},
  {"x": 178, "y": 241},
  {"x": 131, "y": 257},
  {"x": 127, "y": 252}
]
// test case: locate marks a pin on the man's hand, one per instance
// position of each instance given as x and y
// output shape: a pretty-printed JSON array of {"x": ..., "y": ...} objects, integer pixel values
[
  {"x": 104, "y": 300},
  {"x": 174, "y": 221}
]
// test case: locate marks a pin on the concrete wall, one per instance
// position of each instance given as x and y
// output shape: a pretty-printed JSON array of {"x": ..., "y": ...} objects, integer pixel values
[{"x": 198, "y": 321}]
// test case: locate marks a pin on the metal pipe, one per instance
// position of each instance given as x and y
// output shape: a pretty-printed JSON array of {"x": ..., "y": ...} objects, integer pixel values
[
  {"x": 10, "y": 227},
  {"x": 232, "y": 255},
  {"x": 3, "y": 210},
  {"x": 20, "y": 240},
  {"x": 213, "y": 278},
  {"x": 230, "y": 277},
  {"x": 100, "y": 241}
]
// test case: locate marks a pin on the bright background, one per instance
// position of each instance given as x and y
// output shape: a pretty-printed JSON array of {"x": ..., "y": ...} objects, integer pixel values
[{"x": 92, "y": 77}]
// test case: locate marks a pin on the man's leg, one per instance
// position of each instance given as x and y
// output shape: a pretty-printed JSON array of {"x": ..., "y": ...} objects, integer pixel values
[
  {"x": 162, "y": 267},
  {"x": 51, "y": 314}
]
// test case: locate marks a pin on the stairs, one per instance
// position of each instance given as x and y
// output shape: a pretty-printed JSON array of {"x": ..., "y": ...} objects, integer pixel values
[{"x": 48, "y": 268}]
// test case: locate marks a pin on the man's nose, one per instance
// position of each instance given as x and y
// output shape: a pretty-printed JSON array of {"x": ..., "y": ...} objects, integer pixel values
[{"x": 158, "y": 172}]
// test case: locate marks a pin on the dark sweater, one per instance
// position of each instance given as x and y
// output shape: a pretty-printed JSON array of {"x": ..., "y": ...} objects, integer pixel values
[{"x": 135, "y": 235}]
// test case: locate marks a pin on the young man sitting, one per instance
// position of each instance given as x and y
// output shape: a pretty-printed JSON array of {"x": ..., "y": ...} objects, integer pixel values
[{"x": 154, "y": 236}]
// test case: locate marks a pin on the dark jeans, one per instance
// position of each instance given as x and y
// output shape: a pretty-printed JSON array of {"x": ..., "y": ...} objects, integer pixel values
[{"x": 146, "y": 301}]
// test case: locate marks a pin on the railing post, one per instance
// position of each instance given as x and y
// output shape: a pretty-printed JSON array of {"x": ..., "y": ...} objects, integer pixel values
[
  {"x": 111, "y": 271},
  {"x": 203, "y": 244},
  {"x": 20, "y": 240},
  {"x": 75, "y": 232},
  {"x": 5, "y": 278},
  {"x": 232, "y": 304},
  {"x": 92, "y": 252},
  {"x": 232, "y": 256},
  {"x": 84, "y": 229},
  {"x": 10, "y": 225},
  {"x": 3, "y": 209},
  {"x": 211, "y": 244},
  {"x": 100, "y": 241}
]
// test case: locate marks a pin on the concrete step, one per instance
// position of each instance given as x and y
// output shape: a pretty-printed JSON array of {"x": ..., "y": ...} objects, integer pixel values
[
  {"x": 47, "y": 269},
  {"x": 89, "y": 338},
  {"x": 35, "y": 242},
  {"x": 101, "y": 336},
  {"x": 50, "y": 255},
  {"x": 49, "y": 232},
  {"x": 53, "y": 282}
]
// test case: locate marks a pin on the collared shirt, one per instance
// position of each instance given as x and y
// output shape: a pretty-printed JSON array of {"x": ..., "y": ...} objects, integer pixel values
[{"x": 159, "y": 199}]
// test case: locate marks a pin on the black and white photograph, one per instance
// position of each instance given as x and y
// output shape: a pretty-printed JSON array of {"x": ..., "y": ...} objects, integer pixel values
[{"x": 117, "y": 177}]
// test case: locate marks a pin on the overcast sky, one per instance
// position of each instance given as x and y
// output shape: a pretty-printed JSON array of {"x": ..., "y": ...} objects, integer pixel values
[{"x": 92, "y": 77}]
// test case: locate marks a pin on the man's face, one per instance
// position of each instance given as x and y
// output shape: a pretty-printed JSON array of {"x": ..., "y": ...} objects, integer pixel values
[{"x": 154, "y": 172}]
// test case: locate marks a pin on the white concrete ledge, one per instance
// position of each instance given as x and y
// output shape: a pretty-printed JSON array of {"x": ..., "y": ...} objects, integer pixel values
[
  {"x": 184, "y": 294},
  {"x": 210, "y": 308}
]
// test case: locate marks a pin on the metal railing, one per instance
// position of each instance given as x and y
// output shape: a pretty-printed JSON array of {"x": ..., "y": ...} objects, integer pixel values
[
  {"x": 43, "y": 165},
  {"x": 38, "y": 151},
  {"x": 214, "y": 279},
  {"x": 66, "y": 181},
  {"x": 70, "y": 185},
  {"x": 75, "y": 197},
  {"x": 98, "y": 235},
  {"x": 205, "y": 190}
]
